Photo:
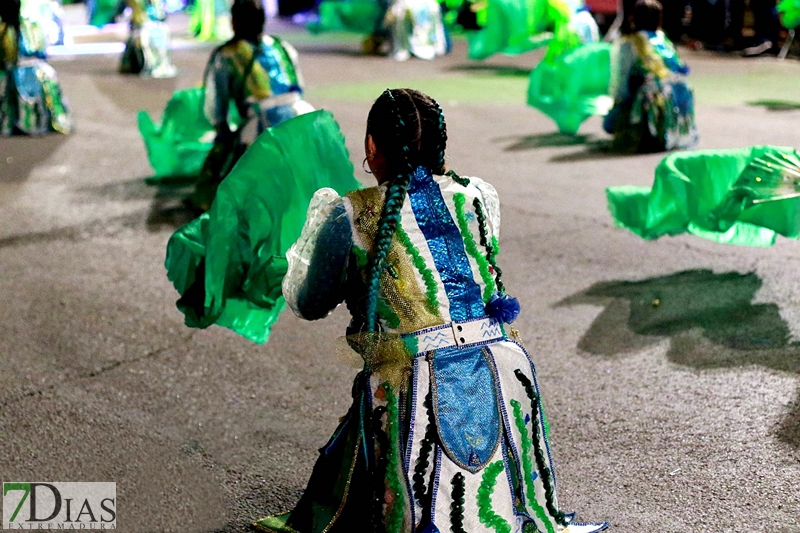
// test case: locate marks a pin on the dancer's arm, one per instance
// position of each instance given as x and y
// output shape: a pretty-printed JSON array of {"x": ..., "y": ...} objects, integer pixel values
[{"x": 315, "y": 279}]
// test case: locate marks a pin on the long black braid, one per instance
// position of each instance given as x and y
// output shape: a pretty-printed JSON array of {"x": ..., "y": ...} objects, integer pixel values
[{"x": 408, "y": 128}]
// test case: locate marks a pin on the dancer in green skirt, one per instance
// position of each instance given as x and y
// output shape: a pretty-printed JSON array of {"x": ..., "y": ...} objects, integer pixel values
[
  {"x": 653, "y": 103},
  {"x": 260, "y": 75},
  {"x": 446, "y": 432},
  {"x": 30, "y": 95},
  {"x": 148, "y": 49}
]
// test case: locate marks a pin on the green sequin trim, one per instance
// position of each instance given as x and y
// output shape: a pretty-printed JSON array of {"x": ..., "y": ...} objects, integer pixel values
[
  {"x": 472, "y": 248},
  {"x": 491, "y": 251},
  {"x": 485, "y": 513},
  {"x": 527, "y": 465},
  {"x": 458, "y": 179},
  {"x": 457, "y": 507},
  {"x": 541, "y": 461},
  {"x": 394, "y": 522},
  {"x": 495, "y": 245},
  {"x": 431, "y": 289}
]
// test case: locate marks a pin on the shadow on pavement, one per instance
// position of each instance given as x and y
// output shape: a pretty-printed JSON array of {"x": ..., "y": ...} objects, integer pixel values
[
  {"x": 789, "y": 429},
  {"x": 776, "y": 105},
  {"x": 133, "y": 93},
  {"x": 349, "y": 51},
  {"x": 542, "y": 140},
  {"x": 595, "y": 150},
  {"x": 710, "y": 319},
  {"x": 80, "y": 232},
  {"x": 168, "y": 208},
  {"x": 124, "y": 191},
  {"x": 494, "y": 70},
  {"x": 19, "y": 155}
]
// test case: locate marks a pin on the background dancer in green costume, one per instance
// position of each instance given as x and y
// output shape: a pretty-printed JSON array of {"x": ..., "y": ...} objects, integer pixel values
[
  {"x": 397, "y": 28},
  {"x": 653, "y": 103},
  {"x": 571, "y": 82},
  {"x": 260, "y": 75},
  {"x": 30, "y": 95},
  {"x": 446, "y": 432},
  {"x": 147, "y": 50},
  {"x": 211, "y": 20}
]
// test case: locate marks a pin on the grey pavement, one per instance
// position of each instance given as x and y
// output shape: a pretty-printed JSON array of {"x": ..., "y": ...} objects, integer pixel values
[{"x": 671, "y": 416}]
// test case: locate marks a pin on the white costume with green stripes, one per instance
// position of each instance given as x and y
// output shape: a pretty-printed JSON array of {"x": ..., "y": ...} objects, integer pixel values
[{"x": 446, "y": 432}]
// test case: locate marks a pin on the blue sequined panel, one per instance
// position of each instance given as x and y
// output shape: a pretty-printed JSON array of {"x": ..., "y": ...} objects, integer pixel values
[
  {"x": 446, "y": 246},
  {"x": 280, "y": 79},
  {"x": 466, "y": 406},
  {"x": 28, "y": 84},
  {"x": 667, "y": 53}
]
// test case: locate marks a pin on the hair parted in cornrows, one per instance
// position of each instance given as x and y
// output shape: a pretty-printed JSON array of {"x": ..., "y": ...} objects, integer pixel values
[{"x": 408, "y": 128}]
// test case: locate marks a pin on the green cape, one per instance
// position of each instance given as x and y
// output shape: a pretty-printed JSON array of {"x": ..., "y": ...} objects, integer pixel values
[
  {"x": 508, "y": 28},
  {"x": 358, "y": 16},
  {"x": 573, "y": 86},
  {"x": 179, "y": 146},
  {"x": 104, "y": 12},
  {"x": 790, "y": 13},
  {"x": 745, "y": 196},
  {"x": 229, "y": 263}
]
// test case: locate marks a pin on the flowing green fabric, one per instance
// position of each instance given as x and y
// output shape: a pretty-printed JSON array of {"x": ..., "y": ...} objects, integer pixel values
[
  {"x": 574, "y": 86},
  {"x": 746, "y": 196},
  {"x": 229, "y": 263},
  {"x": 508, "y": 28},
  {"x": 358, "y": 16},
  {"x": 789, "y": 11},
  {"x": 514, "y": 27},
  {"x": 104, "y": 12},
  {"x": 178, "y": 147},
  {"x": 210, "y": 20}
]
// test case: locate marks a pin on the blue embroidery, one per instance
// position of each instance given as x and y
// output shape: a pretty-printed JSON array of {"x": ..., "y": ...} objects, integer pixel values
[
  {"x": 270, "y": 58},
  {"x": 467, "y": 413},
  {"x": 446, "y": 246},
  {"x": 667, "y": 53}
]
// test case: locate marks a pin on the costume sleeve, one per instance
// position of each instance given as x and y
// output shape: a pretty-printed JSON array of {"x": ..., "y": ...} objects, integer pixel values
[
  {"x": 217, "y": 87},
  {"x": 491, "y": 202},
  {"x": 293, "y": 57},
  {"x": 313, "y": 285}
]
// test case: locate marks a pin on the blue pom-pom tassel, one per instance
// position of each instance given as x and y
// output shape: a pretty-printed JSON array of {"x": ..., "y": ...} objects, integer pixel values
[{"x": 503, "y": 307}]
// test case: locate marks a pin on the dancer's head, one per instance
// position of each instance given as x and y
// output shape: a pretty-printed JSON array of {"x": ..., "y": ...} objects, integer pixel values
[
  {"x": 248, "y": 18},
  {"x": 405, "y": 130},
  {"x": 647, "y": 15},
  {"x": 9, "y": 12}
]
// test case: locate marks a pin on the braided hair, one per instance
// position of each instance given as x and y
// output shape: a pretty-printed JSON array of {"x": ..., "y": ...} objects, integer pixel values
[{"x": 408, "y": 127}]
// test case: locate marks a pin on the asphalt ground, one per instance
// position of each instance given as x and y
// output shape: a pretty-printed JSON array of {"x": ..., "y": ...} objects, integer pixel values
[{"x": 679, "y": 417}]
